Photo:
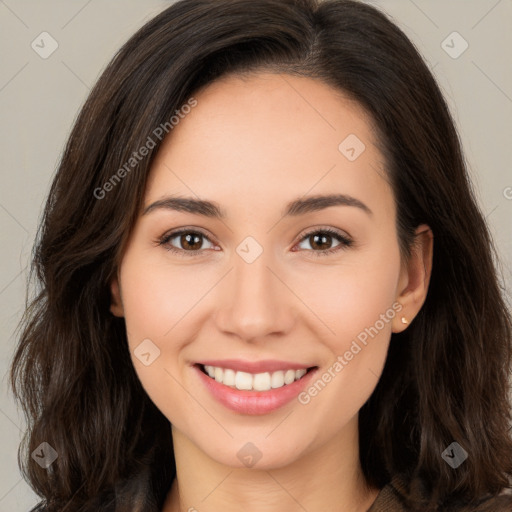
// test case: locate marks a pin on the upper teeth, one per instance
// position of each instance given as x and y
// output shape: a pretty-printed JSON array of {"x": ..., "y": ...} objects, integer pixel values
[{"x": 257, "y": 382}]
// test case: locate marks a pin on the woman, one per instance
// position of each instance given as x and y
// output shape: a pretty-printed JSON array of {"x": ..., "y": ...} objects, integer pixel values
[{"x": 265, "y": 281}]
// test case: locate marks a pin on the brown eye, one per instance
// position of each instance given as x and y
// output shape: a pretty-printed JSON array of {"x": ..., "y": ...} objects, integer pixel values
[
  {"x": 190, "y": 241},
  {"x": 185, "y": 241},
  {"x": 321, "y": 241}
]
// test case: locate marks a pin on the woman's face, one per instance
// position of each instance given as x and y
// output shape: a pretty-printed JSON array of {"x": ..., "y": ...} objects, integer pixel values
[{"x": 254, "y": 284}]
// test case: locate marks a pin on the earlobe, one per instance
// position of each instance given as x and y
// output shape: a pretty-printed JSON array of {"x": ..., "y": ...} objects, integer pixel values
[
  {"x": 415, "y": 278},
  {"x": 116, "y": 304}
]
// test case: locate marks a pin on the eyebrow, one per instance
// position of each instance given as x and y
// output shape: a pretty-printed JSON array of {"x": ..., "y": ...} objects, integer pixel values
[{"x": 297, "y": 207}]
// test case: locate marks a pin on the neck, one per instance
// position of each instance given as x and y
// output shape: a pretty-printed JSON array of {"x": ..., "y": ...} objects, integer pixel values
[{"x": 327, "y": 478}]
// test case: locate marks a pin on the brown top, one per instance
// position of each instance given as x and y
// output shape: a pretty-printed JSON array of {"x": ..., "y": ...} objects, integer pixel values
[{"x": 391, "y": 499}]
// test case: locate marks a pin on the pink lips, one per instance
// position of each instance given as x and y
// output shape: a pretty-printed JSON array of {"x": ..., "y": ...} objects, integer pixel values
[{"x": 254, "y": 402}]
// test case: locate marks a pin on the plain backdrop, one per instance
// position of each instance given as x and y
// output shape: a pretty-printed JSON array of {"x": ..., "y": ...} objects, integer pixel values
[{"x": 40, "y": 98}]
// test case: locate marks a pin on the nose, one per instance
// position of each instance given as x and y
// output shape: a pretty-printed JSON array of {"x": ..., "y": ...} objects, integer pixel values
[{"x": 255, "y": 301}]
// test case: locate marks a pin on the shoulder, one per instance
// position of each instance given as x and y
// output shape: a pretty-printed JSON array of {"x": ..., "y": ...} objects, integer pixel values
[
  {"x": 501, "y": 503},
  {"x": 392, "y": 498}
]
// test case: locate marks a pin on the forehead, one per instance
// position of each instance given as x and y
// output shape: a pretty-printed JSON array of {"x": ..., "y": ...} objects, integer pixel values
[{"x": 269, "y": 137}]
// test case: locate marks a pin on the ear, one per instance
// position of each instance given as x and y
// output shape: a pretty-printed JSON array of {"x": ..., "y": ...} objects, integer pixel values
[
  {"x": 116, "y": 304},
  {"x": 414, "y": 278}
]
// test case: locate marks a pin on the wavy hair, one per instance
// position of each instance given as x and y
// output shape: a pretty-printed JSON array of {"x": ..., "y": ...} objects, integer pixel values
[{"x": 446, "y": 377}]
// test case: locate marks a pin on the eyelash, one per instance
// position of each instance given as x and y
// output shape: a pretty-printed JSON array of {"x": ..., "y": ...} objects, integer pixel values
[{"x": 345, "y": 242}]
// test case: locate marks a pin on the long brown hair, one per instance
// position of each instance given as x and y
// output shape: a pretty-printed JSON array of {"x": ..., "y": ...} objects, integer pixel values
[{"x": 446, "y": 376}]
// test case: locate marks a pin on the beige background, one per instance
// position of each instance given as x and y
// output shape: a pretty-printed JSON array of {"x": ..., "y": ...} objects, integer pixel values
[{"x": 39, "y": 99}]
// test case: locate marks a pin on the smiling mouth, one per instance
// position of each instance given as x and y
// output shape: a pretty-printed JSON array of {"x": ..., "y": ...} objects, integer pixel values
[{"x": 254, "y": 381}]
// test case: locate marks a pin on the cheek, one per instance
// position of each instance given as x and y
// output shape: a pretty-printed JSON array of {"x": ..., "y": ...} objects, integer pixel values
[
  {"x": 156, "y": 295},
  {"x": 351, "y": 298},
  {"x": 156, "y": 301},
  {"x": 358, "y": 304}
]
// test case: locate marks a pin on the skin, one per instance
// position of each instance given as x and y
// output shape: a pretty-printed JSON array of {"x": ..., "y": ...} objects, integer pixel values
[{"x": 252, "y": 145}]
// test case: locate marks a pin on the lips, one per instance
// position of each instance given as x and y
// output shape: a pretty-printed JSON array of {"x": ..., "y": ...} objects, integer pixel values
[{"x": 250, "y": 400}]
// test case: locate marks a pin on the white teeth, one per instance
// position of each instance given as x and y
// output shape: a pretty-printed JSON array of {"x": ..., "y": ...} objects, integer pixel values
[
  {"x": 243, "y": 380},
  {"x": 229, "y": 378},
  {"x": 255, "y": 382},
  {"x": 277, "y": 380},
  {"x": 261, "y": 382},
  {"x": 289, "y": 376},
  {"x": 300, "y": 373}
]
